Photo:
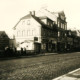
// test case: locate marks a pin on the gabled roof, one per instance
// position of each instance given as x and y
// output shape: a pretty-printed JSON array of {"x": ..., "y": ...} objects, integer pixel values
[
  {"x": 38, "y": 19},
  {"x": 42, "y": 23},
  {"x": 43, "y": 17},
  {"x": 27, "y": 16},
  {"x": 62, "y": 13},
  {"x": 47, "y": 13}
]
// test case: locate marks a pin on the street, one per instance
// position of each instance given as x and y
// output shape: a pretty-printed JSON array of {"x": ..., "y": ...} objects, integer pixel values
[{"x": 39, "y": 68}]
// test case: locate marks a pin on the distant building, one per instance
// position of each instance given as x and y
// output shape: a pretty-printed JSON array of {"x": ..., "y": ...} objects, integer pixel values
[
  {"x": 4, "y": 41},
  {"x": 69, "y": 40},
  {"x": 76, "y": 39}
]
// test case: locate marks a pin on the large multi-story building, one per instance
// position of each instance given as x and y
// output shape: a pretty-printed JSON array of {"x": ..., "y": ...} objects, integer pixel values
[
  {"x": 44, "y": 31},
  {"x": 36, "y": 33},
  {"x": 62, "y": 28},
  {"x": 28, "y": 32},
  {"x": 59, "y": 19},
  {"x": 49, "y": 34}
]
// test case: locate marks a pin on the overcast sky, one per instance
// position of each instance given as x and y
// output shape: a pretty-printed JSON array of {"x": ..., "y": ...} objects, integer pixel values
[{"x": 12, "y": 10}]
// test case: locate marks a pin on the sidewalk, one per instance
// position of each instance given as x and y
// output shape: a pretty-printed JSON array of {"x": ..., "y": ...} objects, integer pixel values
[{"x": 74, "y": 75}]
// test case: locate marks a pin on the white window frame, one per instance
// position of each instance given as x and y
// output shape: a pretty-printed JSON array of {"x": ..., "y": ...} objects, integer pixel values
[{"x": 28, "y": 22}]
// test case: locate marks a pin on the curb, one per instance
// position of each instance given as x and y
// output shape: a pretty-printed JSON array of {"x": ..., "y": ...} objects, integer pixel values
[
  {"x": 9, "y": 58},
  {"x": 59, "y": 78}
]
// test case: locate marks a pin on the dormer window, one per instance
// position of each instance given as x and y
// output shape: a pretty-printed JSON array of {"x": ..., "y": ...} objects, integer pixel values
[
  {"x": 28, "y": 22},
  {"x": 53, "y": 23},
  {"x": 48, "y": 23},
  {"x": 23, "y": 33}
]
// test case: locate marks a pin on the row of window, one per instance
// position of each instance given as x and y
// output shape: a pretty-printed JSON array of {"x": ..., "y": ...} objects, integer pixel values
[
  {"x": 25, "y": 33},
  {"x": 26, "y": 22},
  {"x": 62, "y": 34},
  {"x": 62, "y": 25},
  {"x": 48, "y": 33},
  {"x": 50, "y": 24}
]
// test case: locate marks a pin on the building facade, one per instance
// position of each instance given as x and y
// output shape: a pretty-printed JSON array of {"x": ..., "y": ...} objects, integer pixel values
[
  {"x": 62, "y": 28},
  {"x": 36, "y": 34},
  {"x": 48, "y": 35},
  {"x": 44, "y": 31},
  {"x": 27, "y": 33},
  {"x": 59, "y": 19}
]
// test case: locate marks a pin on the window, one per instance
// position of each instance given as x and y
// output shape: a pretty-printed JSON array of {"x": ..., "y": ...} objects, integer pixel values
[
  {"x": 28, "y": 32},
  {"x": 51, "y": 25},
  {"x": 23, "y": 33},
  {"x": 69, "y": 33},
  {"x": 32, "y": 32},
  {"x": 48, "y": 23},
  {"x": 28, "y": 22},
  {"x": 63, "y": 26},
  {"x": 58, "y": 34},
  {"x": 18, "y": 33},
  {"x": 35, "y": 38},
  {"x": 65, "y": 34},
  {"x": 58, "y": 24},
  {"x": 44, "y": 33}
]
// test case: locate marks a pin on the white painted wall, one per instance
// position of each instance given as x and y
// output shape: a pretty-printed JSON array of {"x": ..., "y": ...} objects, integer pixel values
[{"x": 27, "y": 32}]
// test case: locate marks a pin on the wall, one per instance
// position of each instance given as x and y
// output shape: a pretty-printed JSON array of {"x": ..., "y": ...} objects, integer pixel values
[{"x": 25, "y": 32}]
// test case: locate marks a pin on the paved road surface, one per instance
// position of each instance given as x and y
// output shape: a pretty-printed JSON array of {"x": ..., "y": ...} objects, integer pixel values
[{"x": 38, "y": 68}]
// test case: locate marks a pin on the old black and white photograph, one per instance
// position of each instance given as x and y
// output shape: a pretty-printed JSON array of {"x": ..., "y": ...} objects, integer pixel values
[{"x": 39, "y": 40}]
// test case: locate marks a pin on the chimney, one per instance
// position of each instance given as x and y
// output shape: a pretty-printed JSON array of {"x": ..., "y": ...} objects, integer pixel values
[
  {"x": 33, "y": 13},
  {"x": 30, "y": 13}
]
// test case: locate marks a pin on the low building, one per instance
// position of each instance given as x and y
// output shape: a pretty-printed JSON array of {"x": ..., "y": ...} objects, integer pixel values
[{"x": 4, "y": 41}]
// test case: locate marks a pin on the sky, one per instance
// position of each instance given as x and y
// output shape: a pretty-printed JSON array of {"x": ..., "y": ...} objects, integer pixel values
[{"x": 12, "y": 10}]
